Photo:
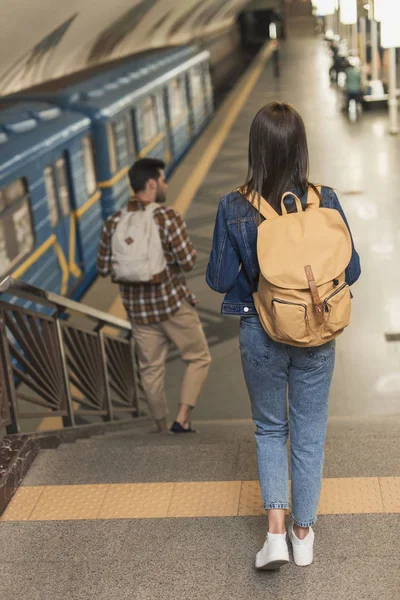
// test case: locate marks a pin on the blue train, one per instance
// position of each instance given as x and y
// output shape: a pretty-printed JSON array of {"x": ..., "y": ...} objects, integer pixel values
[{"x": 64, "y": 156}]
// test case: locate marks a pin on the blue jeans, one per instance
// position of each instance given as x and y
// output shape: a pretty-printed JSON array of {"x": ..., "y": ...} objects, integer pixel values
[{"x": 275, "y": 373}]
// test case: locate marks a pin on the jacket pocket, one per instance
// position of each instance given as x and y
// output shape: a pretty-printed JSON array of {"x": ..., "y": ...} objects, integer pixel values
[
  {"x": 337, "y": 307},
  {"x": 290, "y": 321}
]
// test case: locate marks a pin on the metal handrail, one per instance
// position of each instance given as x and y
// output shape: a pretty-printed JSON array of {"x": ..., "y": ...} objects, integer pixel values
[
  {"x": 65, "y": 370},
  {"x": 21, "y": 289}
]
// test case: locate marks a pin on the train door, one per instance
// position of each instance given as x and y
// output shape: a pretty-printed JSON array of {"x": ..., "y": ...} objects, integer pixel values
[
  {"x": 161, "y": 117},
  {"x": 178, "y": 116},
  {"x": 60, "y": 203},
  {"x": 197, "y": 98}
]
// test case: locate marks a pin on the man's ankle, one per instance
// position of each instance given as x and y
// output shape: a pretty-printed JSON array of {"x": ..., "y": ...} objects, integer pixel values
[
  {"x": 183, "y": 416},
  {"x": 162, "y": 425}
]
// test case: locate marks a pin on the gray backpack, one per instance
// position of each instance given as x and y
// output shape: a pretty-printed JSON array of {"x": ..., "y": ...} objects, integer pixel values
[{"x": 137, "y": 252}]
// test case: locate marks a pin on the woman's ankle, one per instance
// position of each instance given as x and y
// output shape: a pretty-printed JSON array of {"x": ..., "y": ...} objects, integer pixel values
[
  {"x": 277, "y": 530},
  {"x": 300, "y": 532},
  {"x": 276, "y": 520}
]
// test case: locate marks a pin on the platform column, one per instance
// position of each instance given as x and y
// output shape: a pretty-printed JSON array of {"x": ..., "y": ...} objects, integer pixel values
[
  {"x": 363, "y": 40},
  {"x": 354, "y": 38},
  {"x": 374, "y": 50},
  {"x": 393, "y": 103}
]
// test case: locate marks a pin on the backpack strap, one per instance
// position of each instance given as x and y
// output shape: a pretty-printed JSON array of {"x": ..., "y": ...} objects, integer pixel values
[
  {"x": 313, "y": 200},
  {"x": 265, "y": 208},
  {"x": 317, "y": 302},
  {"x": 299, "y": 205}
]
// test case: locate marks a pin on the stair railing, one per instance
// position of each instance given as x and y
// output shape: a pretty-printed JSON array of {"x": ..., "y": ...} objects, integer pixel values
[{"x": 63, "y": 358}]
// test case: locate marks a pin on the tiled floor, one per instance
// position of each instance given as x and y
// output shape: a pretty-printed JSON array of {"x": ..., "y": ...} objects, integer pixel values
[
  {"x": 356, "y": 558},
  {"x": 339, "y": 496}
]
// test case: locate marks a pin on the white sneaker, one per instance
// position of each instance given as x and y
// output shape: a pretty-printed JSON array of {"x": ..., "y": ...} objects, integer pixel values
[
  {"x": 302, "y": 549},
  {"x": 274, "y": 554}
]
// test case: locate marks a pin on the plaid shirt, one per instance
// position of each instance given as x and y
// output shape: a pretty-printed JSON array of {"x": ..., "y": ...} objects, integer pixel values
[{"x": 148, "y": 303}]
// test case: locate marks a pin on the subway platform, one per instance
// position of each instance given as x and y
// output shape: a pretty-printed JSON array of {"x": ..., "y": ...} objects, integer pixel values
[{"x": 145, "y": 517}]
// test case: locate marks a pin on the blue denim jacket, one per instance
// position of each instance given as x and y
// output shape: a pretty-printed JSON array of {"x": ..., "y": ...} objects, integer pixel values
[{"x": 233, "y": 267}]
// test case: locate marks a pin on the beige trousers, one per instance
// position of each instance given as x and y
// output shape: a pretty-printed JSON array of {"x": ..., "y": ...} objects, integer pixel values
[{"x": 152, "y": 342}]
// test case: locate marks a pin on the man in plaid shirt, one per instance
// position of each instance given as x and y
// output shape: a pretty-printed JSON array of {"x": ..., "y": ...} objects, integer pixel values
[{"x": 163, "y": 310}]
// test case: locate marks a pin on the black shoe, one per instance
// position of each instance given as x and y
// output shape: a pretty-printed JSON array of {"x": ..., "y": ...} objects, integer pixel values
[{"x": 177, "y": 428}]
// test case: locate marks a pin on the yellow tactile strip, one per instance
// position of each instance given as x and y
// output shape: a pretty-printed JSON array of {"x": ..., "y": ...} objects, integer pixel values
[
  {"x": 390, "y": 489},
  {"x": 57, "y": 503},
  {"x": 250, "y": 503},
  {"x": 350, "y": 495},
  {"x": 136, "y": 501},
  {"x": 190, "y": 499},
  {"x": 205, "y": 499},
  {"x": 22, "y": 504}
]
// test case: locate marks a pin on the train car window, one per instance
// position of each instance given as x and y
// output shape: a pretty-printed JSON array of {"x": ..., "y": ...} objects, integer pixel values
[
  {"x": 196, "y": 78},
  {"x": 112, "y": 149},
  {"x": 51, "y": 195},
  {"x": 177, "y": 98},
  {"x": 129, "y": 134},
  {"x": 88, "y": 161},
  {"x": 63, "y": 188},
  {"x": 150, "y": 119},
  {"x": 16, "y": 231},
  {"x": 14, "y": 191}
]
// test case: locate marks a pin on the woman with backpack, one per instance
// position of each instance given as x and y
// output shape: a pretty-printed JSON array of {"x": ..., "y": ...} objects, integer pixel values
[{"x": 283, "y": 255}]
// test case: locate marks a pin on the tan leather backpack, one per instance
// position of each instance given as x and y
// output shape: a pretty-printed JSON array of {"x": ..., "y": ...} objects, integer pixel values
[{"x": 302, "y": 297}]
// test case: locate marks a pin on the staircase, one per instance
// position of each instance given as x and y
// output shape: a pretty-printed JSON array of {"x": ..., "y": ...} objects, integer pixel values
[{"x": 223, "y": 451}]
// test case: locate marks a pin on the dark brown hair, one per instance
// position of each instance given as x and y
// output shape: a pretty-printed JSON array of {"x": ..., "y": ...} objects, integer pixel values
[
  {"x": 143, "y": 170},
  {"x": 278, "y": 155}
]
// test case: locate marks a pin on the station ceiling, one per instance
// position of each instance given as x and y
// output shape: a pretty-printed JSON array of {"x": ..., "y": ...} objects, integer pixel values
[{"x": 50, "y": 38}]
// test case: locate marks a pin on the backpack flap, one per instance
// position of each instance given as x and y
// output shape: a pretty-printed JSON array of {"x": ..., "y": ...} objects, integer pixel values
[{"x": 318, "y": 238}]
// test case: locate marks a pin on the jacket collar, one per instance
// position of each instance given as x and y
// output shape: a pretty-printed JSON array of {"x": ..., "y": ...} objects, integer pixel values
[{"x": 135, "y": 204}]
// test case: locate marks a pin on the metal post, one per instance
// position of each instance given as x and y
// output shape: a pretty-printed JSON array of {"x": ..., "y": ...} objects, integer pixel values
[
  {"x": 136, "y": 375},
  {"x": 354, "y": 38},
  {"x": 69, "y": 420},
  {"x": 107, "y": 391},
  {"x": 340, "y": 26},
  {"x": 363, "y": 40},
  {"x": 374, "y": 50},
  {"x": 393, "y": 103},
  {"x": 348, "y": 36}
]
